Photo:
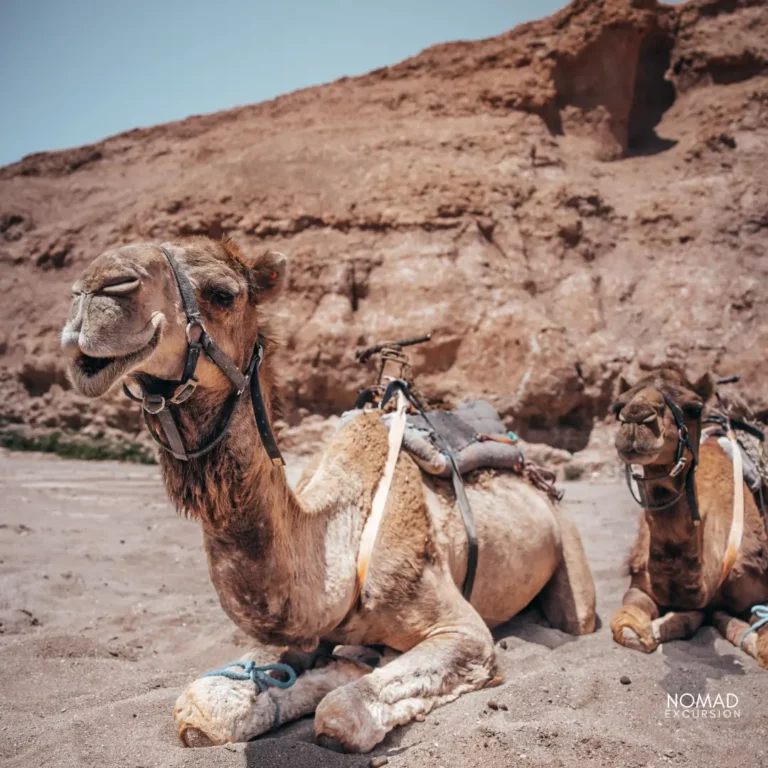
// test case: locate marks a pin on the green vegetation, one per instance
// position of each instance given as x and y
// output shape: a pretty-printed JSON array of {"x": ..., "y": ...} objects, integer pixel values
[{"x": 76, "y": 447}]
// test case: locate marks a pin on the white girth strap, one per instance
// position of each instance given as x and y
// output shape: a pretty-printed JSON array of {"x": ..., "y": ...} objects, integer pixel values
[
  {"x": 737, "y": 522},
  {"x": 373, "y": 523}
]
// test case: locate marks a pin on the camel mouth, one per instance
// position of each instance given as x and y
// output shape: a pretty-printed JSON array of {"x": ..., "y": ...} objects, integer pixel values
[
  {"x": 93, "y": 376},
  {"x": 637, "y": 455}
]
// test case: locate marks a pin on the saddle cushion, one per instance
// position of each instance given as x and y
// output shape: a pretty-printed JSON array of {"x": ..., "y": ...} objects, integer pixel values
[{"x": 457, "y": 430}]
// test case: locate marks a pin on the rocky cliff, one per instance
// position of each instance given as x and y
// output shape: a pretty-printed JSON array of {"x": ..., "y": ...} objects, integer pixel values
[{"x": 581, "y": 195}]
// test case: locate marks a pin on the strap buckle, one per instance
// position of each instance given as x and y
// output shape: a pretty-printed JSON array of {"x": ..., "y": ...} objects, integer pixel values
[
  {"x": 184, "y": 391},
  {"x": 679, "y": 467},
  {"x": 191, "y": 325},
  {"x": 153, "y": 404}
]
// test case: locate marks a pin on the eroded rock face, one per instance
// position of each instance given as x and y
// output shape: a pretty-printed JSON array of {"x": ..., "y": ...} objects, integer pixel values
[{"x": 465, "y": 191}]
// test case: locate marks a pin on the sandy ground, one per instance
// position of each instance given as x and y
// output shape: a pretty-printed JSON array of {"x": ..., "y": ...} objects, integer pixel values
[{"x": 107, "y": 612}]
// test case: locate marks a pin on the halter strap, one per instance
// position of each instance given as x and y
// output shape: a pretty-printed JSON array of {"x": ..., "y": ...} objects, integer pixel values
[
  {"x": 689, "y": 485},
  {"x": 167, "y": 393}
]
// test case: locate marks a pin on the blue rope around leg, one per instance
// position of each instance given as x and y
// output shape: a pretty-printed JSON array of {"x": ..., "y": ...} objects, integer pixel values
[
  {"x": 247, "y": 670},
  {"x": 761, "y": 611}
]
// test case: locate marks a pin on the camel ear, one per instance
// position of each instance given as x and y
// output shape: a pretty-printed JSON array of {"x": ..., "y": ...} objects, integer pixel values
[
  {"x": 622, "y": 386},
  {"x": 268, "y": 273},
  {"x": 705, "y": 387}
]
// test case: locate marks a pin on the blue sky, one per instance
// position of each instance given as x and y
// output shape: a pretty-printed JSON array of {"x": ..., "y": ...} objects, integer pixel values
[{"x": 75, "y": 71}]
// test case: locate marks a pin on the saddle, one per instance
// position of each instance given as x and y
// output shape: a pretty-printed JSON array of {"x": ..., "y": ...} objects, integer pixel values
[
  {"x": 750, "y": 438},
  {"x": 473, "y": 435},
  {"x": 442, "y": 443}
]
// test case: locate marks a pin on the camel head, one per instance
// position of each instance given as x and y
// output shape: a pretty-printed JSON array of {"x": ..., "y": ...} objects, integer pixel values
[
  {"x": 126, "y": 316},
  {"x": 648, "y": 433}
]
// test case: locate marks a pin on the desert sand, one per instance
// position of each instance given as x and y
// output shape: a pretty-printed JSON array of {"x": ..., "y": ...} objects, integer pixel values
[{"x": 107, "y": 612}]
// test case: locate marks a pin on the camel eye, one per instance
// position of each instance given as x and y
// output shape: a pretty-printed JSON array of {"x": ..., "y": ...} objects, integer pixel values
[
  {"x": 220, "y": 297},
  {"x": 649, "y": 419}
]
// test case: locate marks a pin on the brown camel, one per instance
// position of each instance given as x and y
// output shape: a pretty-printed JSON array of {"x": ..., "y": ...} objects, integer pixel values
[
  {"x": 685, "y": 571},
  {"x": 284, "y": 562}
]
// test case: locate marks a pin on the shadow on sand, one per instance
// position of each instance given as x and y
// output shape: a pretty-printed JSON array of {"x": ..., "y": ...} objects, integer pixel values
[
  {"x": 691, "y": 663},
  {"x": 531, "y": 626}
]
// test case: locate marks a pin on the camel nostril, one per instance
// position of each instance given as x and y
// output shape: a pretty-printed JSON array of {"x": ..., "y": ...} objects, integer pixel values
[{"x": 70, "y": 342}]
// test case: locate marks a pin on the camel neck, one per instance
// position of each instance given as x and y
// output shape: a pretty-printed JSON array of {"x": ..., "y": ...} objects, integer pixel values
[
  {"x": 676, "y": 540},
  {"x": 235, "y": 488}
]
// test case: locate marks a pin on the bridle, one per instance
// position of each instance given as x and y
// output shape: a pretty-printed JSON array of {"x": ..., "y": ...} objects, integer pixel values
[
  {"x": 160, "y": 397},
  {"x": 689, "y": 487}
]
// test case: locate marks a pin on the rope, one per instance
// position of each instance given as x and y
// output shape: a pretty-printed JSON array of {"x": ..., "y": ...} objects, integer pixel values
[
  {"x": 259, "y": 676},
  {"x": 761, "y": 611}
]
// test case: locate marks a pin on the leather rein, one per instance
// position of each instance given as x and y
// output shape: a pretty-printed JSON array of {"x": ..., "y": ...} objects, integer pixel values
[
  {"x": 161, "y": 397},
  {"x": 689, "y": 486}
]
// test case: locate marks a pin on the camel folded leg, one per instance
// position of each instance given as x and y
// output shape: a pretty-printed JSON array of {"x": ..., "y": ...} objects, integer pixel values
[
  {"x": 218, "y": 710},
  {"x": 735, "y": 630},
  {"x": 637, "y": 624},
  {"x": 456, "y": 656},
  {"x": 632, "y": 624},
  {"x": 568, "y": 599}
]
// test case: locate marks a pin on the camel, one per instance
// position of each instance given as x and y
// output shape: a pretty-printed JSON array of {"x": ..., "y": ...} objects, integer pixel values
[
  {"x": 685, "y": 571},
  {"x": 283, "y": 562}
]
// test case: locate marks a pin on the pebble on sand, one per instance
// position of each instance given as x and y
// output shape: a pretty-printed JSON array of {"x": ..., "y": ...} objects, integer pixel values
[
  {"x": 377, "y": 762},
  {"x": 624, "y": 680}
]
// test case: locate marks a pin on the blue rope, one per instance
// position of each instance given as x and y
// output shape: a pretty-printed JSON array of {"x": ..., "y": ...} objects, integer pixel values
[
  {"x": 761, "y": 611},
  {"x": 258, "y": 675}
]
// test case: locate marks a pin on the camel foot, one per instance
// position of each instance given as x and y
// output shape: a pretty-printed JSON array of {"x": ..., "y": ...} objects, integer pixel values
[
  {"x": 217, "y": 710},
  {"x": 630, "y": 639},
  {"x": 736, "y": 631},
  {"x": 194, "y": 737},
  {"x": 344, "y": 718},
  {"x": 633, "y": 629}
]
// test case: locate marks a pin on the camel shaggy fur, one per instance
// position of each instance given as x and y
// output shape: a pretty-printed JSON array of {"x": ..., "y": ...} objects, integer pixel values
[
  {"x": 678, "y": 579},
  {"x": 283, "y": 562}
]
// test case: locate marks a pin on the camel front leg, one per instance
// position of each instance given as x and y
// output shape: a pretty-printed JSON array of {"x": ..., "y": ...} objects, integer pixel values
[
  {"x": 677, "y": 625},
  {"x": 632, "y": 624},
  {"x": 456, "y": 656},
  {"x": 754, "y": 643},
  {"x": 637, "y": 624},
  {"x": 218, "y": 710}
]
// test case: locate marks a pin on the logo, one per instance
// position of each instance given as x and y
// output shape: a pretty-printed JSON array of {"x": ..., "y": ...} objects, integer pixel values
[{"x": 689, "y": 706}]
